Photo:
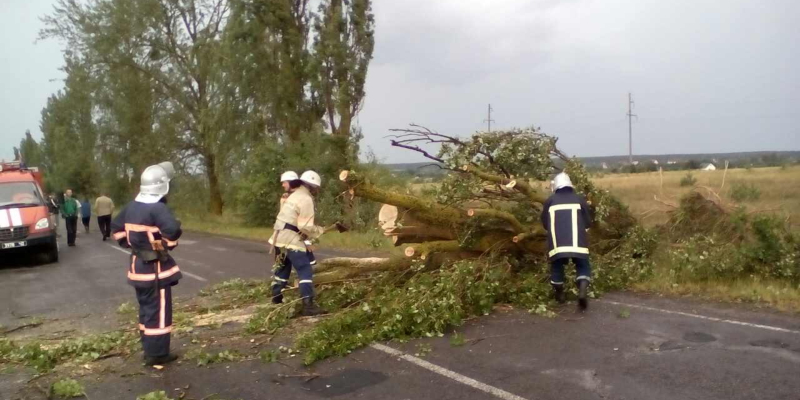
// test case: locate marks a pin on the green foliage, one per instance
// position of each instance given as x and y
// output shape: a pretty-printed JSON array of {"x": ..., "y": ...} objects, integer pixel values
[
  {"x": 83, "y": 349},
  {"x": 429, "y": 303},
  {"x": 203, "y": 82},
  {"x": 157, "y": 395},
  {"x": 457, "y": 340},
  {"x": 742, "y": 192},
  {"x": 624, "y": 313},
  {"x": 688, "y": 180},
  {"x": 66, "y": 389},
  {"x": 768, "y": 250},
  {"x": 204, "y": 358},
  {"x": 268, "y": 319},
  {"x": 269, "y": 356},
  {"x": 126, "y": 308}
]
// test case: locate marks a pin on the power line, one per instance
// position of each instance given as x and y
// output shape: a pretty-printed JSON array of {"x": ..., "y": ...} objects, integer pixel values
[
  {"x": 630, "y": 128},
  {"x": 489, "y": 120}
]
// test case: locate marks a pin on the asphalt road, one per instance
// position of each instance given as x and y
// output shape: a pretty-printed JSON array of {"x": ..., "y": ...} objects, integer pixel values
[
  {"x": 89, "y": 279},
  {"x": 626, "y": 347}
]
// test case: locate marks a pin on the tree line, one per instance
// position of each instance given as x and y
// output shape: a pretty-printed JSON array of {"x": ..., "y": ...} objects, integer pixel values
[{"x": 233, "y": 91}]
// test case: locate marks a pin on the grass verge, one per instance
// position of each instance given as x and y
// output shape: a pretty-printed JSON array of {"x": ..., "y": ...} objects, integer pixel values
[
  {"x": 232, "y": 226},
  {"x": 782, "y": 296}
]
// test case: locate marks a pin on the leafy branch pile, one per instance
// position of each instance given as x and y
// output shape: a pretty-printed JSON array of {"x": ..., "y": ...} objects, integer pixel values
[
  {"x": 44, "y": 358},
  {"x": 719, "y": 241},
  {"x": 473, "y": 242}
]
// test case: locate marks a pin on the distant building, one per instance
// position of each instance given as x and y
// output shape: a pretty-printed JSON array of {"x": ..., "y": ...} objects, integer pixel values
[
  {"x": 671, "y": 162},
  {"x": 654, "y": 162},
  {"x": 605, "y": 166},
  {"x": 708, "y": 167},
  {"x": 635, "y": 163}
]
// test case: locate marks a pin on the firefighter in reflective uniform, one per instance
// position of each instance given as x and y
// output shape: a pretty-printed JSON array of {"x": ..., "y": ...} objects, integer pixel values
[
  {"x": 294, "y": 225},
  {"x": 149, "y": 229},
  {"x": 287, "y": 179},
  {"x": 566, "y": 218}
]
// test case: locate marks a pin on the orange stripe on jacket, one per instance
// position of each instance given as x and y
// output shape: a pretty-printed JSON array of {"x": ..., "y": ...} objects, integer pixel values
[{"x": 151, "y": 277}]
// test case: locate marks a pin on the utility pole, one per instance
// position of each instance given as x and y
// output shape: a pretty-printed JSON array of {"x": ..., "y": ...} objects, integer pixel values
[
  {"x": 489, "y": 120},
  {"x": 630, "y": 129}
]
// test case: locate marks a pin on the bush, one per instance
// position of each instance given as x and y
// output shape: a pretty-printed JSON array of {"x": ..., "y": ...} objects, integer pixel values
[
  {"x": 688, "y": 180},
  {"x": 66, "y": 389},
  {"x": 766, "y": 250},
  {"x": 742, "y": 192}
]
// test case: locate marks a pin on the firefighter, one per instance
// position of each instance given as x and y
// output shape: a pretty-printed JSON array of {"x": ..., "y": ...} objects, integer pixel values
[
  {"x": 566, "y": 218},
  {"x": 148, "y": 228},
  {"x": 294, "y": 225},
  {"x": 286, "y": 181}
]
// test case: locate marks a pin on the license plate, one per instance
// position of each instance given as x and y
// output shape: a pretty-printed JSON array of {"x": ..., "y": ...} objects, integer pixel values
[{"x": 14, "y": 245}]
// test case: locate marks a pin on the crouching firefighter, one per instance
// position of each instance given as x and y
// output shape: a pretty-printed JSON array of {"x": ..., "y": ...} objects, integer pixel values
[
  {"x": 293, "y": 226},
  {"x": 566, "y": 218},
  {"x": 149, "y": 229}
]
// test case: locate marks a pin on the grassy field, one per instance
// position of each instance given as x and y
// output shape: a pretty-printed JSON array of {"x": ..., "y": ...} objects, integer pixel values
[
  {"x": 779, "y": 194},
  {"x": 779, "y": 188}
]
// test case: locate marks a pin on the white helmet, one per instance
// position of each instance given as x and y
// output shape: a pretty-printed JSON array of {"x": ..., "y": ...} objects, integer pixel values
[
  {"x": 154, "y": 182},
  {"x": 561, "y": 181},
  {"x": 289, "y": 176},
  {"x": 311, "y": 178}
]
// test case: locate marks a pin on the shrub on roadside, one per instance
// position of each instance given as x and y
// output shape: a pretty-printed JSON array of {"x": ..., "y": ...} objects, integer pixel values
[
  {"x": 768, "y": 250},
  {"x": 742, "y": 192},
  {"x": 688, "y": 180}
]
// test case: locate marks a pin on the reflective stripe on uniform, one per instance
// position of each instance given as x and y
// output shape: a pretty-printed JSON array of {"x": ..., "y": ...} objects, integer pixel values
[
  {"x": 569, "y": 249},
  {"x": 150, "y": 230},
  {"x": 280, "y": 279},
  {"x": 151, "y": 277},
  {"x": 162, "y": 315},
  {"x": 306, "y": 281},
  {"x": 155, "y": 331},
  {"x": 583, "y": 277},
  {"x": 566, "y": 249}
]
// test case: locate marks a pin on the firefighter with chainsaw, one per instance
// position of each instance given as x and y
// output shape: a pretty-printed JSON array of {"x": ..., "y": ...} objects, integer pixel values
[
  {"x": 293, "y": 226},
  {"x": 148, "y": 228},
  {"x": 566, "y": 218},
  {"x": 286, "y": 182}
]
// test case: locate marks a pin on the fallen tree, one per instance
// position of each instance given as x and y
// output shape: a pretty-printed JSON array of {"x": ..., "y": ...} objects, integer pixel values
[
  {"x": 470, "y": 242},
  {"x": 489, "y": 202}
]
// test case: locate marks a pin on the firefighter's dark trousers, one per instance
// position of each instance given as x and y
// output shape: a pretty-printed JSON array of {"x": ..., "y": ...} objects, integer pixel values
[
  {"x": 582, "y": 269},
  {"x": 155, "y": 319},
  {"x": 299, "y": 260}
]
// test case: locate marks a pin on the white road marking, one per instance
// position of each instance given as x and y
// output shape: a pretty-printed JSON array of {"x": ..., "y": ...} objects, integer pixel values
[
  {"x": 707, "y": 318},
  {"x": 496, "y": 392},
  {"x": 184, "y": 272},
  {"x": 217, "y": 248}
]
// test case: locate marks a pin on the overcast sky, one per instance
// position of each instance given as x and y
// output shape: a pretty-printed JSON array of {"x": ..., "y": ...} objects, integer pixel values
[{"x": 706, "y": 75}]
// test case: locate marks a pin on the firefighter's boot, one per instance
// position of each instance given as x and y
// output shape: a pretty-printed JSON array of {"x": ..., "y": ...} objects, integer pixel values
[
  {"x": 583, "y": 292},
  {"x": 558, "y": 294},
  {"x": 310, "y": 309},
  {"x": 150, "y": 361}
]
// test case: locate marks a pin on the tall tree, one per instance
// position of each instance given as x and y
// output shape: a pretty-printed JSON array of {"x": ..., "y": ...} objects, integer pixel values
[
  {"x": 29, "y": 150},
  {"x": 342, "y": 51},
  {"x": 70, "y": 136},
  {"x": 177, "y": 45}
]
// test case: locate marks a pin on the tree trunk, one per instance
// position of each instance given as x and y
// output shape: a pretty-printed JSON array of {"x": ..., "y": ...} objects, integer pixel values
[{"x": 215, "y": 201}]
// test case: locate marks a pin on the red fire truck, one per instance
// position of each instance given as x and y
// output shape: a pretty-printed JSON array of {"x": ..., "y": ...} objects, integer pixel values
[{"x": 26, "y": 220}]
